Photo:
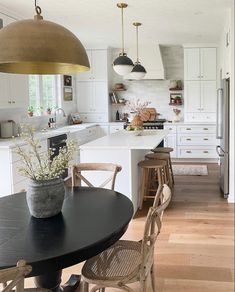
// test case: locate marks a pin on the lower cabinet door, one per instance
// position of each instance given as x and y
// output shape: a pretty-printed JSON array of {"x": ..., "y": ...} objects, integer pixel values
[{"x": 170, "y": 141}]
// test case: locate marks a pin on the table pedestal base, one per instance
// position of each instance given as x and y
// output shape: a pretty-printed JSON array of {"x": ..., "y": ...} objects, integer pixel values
[{"x": 52, "y": 281}]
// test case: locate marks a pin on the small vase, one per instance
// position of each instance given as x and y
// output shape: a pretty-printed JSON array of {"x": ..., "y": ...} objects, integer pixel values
[
  {"x": 45, "y": 198},
  {"x": 176, "y": 118},
  {"x": 137, "y": 122}
]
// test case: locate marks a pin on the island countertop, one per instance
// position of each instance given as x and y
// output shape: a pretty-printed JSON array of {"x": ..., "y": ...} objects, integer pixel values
[{"x": 127, "y": 140}]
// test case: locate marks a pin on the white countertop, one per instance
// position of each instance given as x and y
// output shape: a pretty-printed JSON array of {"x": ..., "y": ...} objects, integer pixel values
[
  {"x": 42, "y": 135},
  {"x": 127, "y": 140}
]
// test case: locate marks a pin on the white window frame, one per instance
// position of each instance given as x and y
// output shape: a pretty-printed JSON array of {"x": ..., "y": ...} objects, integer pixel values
[{"x": 39, "y": 92}]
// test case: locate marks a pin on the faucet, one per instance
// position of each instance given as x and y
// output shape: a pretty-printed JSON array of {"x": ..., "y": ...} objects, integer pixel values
[{"x": 56, "y": 112}]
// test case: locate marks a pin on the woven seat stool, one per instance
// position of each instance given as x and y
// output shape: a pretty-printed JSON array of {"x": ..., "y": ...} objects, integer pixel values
[
  {"x": 166, "y": 150},
  {"x": 153, "y": 172},
  {"x": 165, "y": 157}
]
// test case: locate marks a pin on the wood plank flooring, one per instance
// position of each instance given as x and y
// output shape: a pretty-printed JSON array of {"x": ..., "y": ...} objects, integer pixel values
[{"x": 195, "y": 250}]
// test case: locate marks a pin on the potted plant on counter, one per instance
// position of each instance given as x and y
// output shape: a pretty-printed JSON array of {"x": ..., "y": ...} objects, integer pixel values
[
  {"x": 45, "y": 192},
  {"x": 30, "y": 111}
]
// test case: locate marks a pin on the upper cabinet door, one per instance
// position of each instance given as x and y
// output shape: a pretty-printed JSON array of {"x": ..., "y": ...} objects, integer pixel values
[
  {"x": 208, "y": 63},
  {"x": 87, "y": 76},
  {"x": 85, "y": 96},
  {"x": 100, "y": 97},
  {"x": 192, "y": 96},
  {"x": 19, "y": 90},
  {"x": 4, "y": 91},
  {"x": 192, "y": 63},
  {"x": 208, "y": 96},
  {"x": 99, "y": 63}
]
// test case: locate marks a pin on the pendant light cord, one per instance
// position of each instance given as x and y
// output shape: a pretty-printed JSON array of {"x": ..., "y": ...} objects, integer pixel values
[
  {"x": 37, "y": 8},
  {"x": 122, "y": 33},
  {"x": 137, "y": 44}
]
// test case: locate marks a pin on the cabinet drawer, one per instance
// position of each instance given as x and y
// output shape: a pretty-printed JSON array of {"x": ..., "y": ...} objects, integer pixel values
[
  {"x": 200, "y": 117},
  {"x": 171, "y": 128},
  {"x": 113, "y": 129},
  {"x": 202, "y": 129},
  {"x": 196, "y": 152},
  {"x": 196, "y": 139}
]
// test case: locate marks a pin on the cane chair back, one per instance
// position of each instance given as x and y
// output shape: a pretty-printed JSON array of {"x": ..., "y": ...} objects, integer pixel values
[
  {"x": 78, "y": 177},
  {"x": 126, "y": 261}
]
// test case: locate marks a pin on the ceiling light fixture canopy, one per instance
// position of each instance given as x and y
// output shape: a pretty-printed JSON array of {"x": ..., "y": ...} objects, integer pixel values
[
  {"x": 122, "y": 65},
  {"x": 37, "y": 46},
  {"x": 138, "y": 72}
]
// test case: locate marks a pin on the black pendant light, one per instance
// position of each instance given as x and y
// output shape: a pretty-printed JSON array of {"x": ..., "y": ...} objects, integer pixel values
[
  {"x": 122, "y": 65},
  {"x": 138, "y": 72}
]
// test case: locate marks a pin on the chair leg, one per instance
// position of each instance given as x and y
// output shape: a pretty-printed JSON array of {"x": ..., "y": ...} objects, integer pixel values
[
  {"x": 152, "y": 274},
  {"x": 143, "y": 188},
  {"x": 85, "y": 287},
  {"x": 172, "y": 174}
]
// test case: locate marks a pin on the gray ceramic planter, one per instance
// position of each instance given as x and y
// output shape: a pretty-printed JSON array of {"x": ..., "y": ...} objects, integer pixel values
[{"x": 45, "y": 198}]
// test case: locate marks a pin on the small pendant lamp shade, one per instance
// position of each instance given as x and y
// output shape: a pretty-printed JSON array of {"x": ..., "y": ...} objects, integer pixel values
[
  {"x": 122, "y": 65},
  {"x": 138, "y": 72},
  {"x": 38, "y": 46}
]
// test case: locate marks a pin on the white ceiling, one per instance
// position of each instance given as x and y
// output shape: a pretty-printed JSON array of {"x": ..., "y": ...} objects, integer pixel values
[{"x": 98, "y": 22}]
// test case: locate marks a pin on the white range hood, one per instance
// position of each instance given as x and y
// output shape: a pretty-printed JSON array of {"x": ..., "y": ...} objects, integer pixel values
[{"x": 151, "y": 58}]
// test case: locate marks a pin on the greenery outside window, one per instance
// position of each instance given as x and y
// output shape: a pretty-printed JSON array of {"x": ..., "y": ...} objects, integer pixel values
[{"x": 43, "y": 93}]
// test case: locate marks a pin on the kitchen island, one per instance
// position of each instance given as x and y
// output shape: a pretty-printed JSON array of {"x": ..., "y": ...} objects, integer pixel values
[{"x": 125, "y": 149}]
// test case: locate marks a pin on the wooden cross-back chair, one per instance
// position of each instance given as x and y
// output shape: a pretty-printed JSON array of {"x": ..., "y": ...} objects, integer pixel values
[
  {"x": 77, "y": 176},
  {"x": 127, "y": 261},
  {"x": 14, "y": 278}
]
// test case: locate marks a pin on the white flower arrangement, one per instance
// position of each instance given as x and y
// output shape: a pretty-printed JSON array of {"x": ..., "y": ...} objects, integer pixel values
[
  {"x": 135, "y": 106},
  {"x": 38, "y": 166}
]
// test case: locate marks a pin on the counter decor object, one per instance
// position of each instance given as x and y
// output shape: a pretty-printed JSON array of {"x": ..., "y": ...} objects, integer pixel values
[
  {"x": 45, "y": 192},
  {"x": 176, "y": 117},
  {"x": 30, "y": 111}
]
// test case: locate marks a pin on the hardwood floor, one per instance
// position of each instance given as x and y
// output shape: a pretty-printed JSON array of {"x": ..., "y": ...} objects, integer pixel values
[{"x": 195, "y": 250}]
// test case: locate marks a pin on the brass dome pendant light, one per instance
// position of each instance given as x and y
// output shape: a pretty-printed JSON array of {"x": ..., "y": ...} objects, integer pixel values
[
  {"x": 138, "y": 72},
  {"x": 122, "y": 65},
  {"x": 37, "y": 46}
]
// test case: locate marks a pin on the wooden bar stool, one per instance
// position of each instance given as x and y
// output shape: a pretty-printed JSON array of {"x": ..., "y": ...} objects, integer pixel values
[
  {"x": 153, "y": 171},
  {"x": 166, "y": 150},
  {"x": 165, "y": 157}
]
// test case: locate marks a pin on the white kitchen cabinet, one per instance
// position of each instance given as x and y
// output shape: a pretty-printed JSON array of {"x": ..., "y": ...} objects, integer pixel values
[
  {"x": 92, "y": 97},
  {"x": 208, "y": 96},
  {"x": 14, "y": 91},
  {"x": 98, "y": 66},
  {"x": 192, "y": 64},
  {"x": 200, "y": 96},
  {"x": 170, "y": 141},
  {"x": 200, "y": 63},
  {"x": 192, "y": 92},
  {"x": 92, "y": 88},
  {"x": 200, "y": 84}
]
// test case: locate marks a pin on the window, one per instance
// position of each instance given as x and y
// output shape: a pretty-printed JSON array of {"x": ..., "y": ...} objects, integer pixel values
[{"x": 43, "y": 92}]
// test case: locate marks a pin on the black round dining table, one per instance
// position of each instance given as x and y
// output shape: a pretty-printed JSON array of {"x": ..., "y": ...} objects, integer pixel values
[{"x": 92, "y": 219}]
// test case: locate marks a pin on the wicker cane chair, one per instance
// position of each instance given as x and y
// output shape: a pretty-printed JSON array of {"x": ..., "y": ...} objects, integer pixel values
[
  {"x": 126, "y": 261},
  {"x": 14, "y": 278},
  {"x": 77, "y": 176}
]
